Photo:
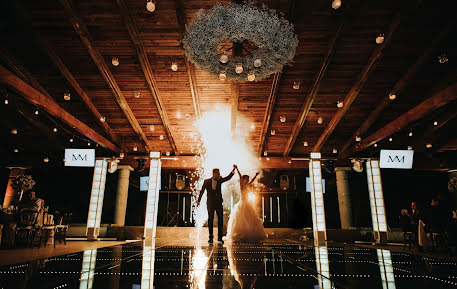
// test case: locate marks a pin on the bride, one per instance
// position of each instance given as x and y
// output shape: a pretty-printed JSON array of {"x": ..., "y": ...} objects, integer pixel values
[{"x": 244, "y": 224}]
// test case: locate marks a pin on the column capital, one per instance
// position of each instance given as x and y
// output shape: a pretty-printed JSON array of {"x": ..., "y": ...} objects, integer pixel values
[
  {"x": 343, "y": 169},
  {"x": 125, "y": 167}
]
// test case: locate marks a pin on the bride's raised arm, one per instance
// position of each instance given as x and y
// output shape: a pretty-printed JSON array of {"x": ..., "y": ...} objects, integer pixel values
[{"x": 256, "y": 174}]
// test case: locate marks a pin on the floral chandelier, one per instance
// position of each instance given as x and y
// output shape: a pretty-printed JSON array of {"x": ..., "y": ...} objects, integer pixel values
[{"x": 240, "y": 42}]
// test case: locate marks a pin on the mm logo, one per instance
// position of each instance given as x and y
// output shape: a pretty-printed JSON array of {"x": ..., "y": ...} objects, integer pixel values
[
  {"x": 78, "y": 157},
  {"x": 396, "y": 159}
]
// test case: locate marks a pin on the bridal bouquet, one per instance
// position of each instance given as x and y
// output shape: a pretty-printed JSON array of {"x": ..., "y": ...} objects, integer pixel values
[{"x": 23, "y": 183}]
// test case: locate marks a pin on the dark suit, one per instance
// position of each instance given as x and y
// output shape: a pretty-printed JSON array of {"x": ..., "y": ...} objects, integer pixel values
[{"x": 214, "y": 203}]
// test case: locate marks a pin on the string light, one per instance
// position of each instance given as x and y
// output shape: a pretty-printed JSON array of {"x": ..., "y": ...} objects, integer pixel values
[
  {"x": 115, "y": 61},
  {"x": 224, "y": 58},
  {"x": 55, "y": 129},
  {"x": 66, "y": 96},
  {"x": 358, "y": 138},
  {"x": 239, "y": 68},
  {"x": 251, "y": 76},
  {"x": 273, "y": 132},
  {"x": 305, "y": 143},
  {"x": 135, "y": 148},
  {"x": 336, "y": 4},
  {"x": 296, "y": 85},
  {"x": 174, "y": 66},
  {"x": 46, "y": 160},
  {"x": 150, "y": 6},
  {"x": 320, "y": 120},
  {"x": 339, "y": 104},
  {"x": 222, "y": 75},
  {"x": 14, "y": 131},
  {"x": 161, "y": 137},
  {"x": 380, "y": 38}
]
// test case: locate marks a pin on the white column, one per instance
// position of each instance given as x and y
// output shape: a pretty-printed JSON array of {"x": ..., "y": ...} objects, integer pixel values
[
  {"x": 96, "y": 199},
  {"x": 322, "y": 266},
  {"x": 147, "y": 266},
  {"x": 152, "y": 199},
  {"x": 378, "y": 212},
  {"x": 86, "y": 280},
  {"x": 317, "y": 198},
  {"x": 122, "y": 195},
  {"x": 386, "y": 269},
  {"x": 344, "y": 196}
]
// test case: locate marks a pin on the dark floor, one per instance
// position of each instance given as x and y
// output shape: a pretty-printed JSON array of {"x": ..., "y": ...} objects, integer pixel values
[{"x": 280, "y": 264}]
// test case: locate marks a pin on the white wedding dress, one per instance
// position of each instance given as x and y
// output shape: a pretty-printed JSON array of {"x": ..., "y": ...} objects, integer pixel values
[{"x": 244, "y": 224}]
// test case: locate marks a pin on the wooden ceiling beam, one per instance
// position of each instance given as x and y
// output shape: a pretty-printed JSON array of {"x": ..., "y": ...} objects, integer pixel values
[
  {"x": 432, "y": 103},
  {"x": 357, "y": 86},
  {"x": 74, "y": 83},
  {"x": 397, "y": 89},
  {"x": 235, "y": 96},
  {"x": 81, "y": 29},
  {"x": 181, "y": 16},
  {"x": 48, "y": 104},
  {"x": 313, "y": 92}
]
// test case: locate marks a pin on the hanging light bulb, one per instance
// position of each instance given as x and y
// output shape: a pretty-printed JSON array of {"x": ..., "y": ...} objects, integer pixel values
[
  {"x": 375, "y": 145},
  {"x": 16, "y": 150},
  {"x": 435, "y": 123},
  {"x": 410, "y": 148},
  {"x": 273, "y": 132},
  {"x": 392, "y": 96},
  {"x": 102, "y": 119},
  {"x": 115, "y": 61},
  {"x": 121, "y": 155},
  {"x": 320, "y": 120},
  {"x": 339, "y": 104},
  {"x": 265, "y": 153},
  {"x": 46, "y": 160},
  {"x": 428, "y": 145},
  {"x": 174, "y": 66},
  {"x": 161, "y": 137},
  {"x": 137, "y": 94},
  {"x": 257, "y": 62},
  {"x": 252, "y": 126},
  {"x": 135, "y": 148},
  {"x": 224, "y": 58},
  {"x": 251, "y": 76},
  {"x": 305, "y": 143},
  {"x": 6, "y": 101},
  {"x": 222, "y": 75},
  {"x": 282, "y": 119},
  {"x": 150, "y": 6},
  {"x": 71, "y": 140},
  {"x": 380, "y": 38},
  {"x": 36, "y": 112},
  {"x": 66, "y": 95},
  {"x": 410, "y": 133},
  {"x": 443, "y": 58},
  {"x": 14, "y": 131},
  {"x": 391, "y": 139},
  {"x": 151, "y": 127},
  {"x": 336, "y": 4},
  {"x": 289, "y": 161},
  {"x": 55, "y": 129},
  {"x": 358, "y": 138},
  {"x": 167, "y": 153},
  {"x": 335, "y": 151},
  {"x": 88, "y": 144},
  {"x": 296, "y": 85},
  {"x": 239, "y": 68}
]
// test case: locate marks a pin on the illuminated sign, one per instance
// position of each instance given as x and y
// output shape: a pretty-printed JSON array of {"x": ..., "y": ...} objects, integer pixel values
[
  {"x": 79, "y": 157},
  {"x": 308, "y": 185},
  {"x": 396, "y": 159},
  {"x": 144, "y": 183}
]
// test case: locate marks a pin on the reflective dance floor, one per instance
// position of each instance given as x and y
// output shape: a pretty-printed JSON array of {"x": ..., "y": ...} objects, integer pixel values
[{"x": 271, "y": 265}]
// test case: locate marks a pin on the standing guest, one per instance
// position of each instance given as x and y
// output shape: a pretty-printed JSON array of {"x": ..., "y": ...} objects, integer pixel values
[{"x": 438, "y": 217}]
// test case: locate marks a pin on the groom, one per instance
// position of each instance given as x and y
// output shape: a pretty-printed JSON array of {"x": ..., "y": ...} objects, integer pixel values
[{"x": 214, "y": 201}]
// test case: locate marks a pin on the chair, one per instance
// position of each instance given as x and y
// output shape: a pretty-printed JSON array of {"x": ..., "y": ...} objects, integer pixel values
[
  {"x": 439, "y": 240},
  {"x": 409, "y": 239},
  {"x": 47, "y": 228},
  {"x": 61, "y": 227},
  {"x": 28, "y": 224}
]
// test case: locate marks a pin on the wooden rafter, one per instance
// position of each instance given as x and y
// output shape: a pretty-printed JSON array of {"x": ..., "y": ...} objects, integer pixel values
[
  {"x": 235, "y": 95},
  {"x": 312, "y": 94},
  {"x": 181, "y": 16},
  {"x": 397, "y": 89},
  {"x": 432, "y": 103},
  {"x": 74, "y": 83},
  {"x": 81, "y": 29},
  {"x": 48, "y": 104},
  {"x": 357, "y": 86},
  {"x": 268, "y": 112}
]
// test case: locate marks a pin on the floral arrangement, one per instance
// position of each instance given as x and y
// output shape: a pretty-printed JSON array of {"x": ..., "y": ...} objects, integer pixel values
[
  {"x": 452, "y": 185},
  {"x": 273, "y": 36},
  {"x": 23, "y": 183}
]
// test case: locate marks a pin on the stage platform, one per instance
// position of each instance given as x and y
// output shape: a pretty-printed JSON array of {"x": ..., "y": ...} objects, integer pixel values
[{"x": 186, "y": 263}]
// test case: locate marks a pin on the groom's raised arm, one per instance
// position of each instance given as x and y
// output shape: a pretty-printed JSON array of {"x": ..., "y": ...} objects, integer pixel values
[
  {"x": 201, "y": 193},
  {"x": 230, "y": 175}
]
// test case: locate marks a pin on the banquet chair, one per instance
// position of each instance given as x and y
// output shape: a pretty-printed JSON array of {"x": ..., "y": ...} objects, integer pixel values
[
  {"x": 27, "y": 224},
  {"x": 47, "y": 229},
  {"x": 61, "y": 227}
]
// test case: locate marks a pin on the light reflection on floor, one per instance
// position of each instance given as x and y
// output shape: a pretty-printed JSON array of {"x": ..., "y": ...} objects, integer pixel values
[{"x": 149, "y": 265}]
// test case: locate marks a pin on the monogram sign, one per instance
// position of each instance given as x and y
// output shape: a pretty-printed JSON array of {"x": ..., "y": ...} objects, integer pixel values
[
  {"x": 79, "y": 157},
  {"x": 396, "y": 159},
  {"x": 144, "y": 183}
]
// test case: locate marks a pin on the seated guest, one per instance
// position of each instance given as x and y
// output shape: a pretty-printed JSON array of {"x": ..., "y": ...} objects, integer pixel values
[
  {"x": 409, "y": 219},
  {"x": 32, "y": 202}
]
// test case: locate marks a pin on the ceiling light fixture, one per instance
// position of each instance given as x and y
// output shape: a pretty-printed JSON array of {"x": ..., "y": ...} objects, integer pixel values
[
  {"x": 222, "y": 75},
  {"x": 428, "y": 145},
  {"x": 257, "y": 62},
  {"x": 358, "y": 138},
  {"x": 150, "y": 6},
  {"x": 336, "y": 4},
  {"x": 14, "y": 131},
  {"x": 375, "y": 145},
  {"x": 443, "y": 58},
  {"x": 251, "y": 76},
  {"x": 66, "y": 95},
  {"x": 305, "y": 143},
  {"x": 392, "y": 96},
  {"x": 273, "y": 132},
  {"x": 115, "y": 61},
  {"x": 435, "y": 123},
  {"x": 380, "y": 38},
  {"x": 137, "y": 94},
  {"x": 265, "y": 153},
  {"x": 296, "y": 85},
  {"x": 102, "y": 119},
  {"x": 410, "y": 133},
  {"x": 282, "y": 119},
  {"x": 71, "y": 140},
  {"x": 135, "y": 148},
  {"x": 239, "y": 68},
  {"x": 224, "y": 58},
  {"x": 161, "y": 137},
  {"x": 37, "y": 112},
  {"x": 151, "y": 127},
  {"x": 88, "y": 144},
  {"x": 55, "y": 129},
  {"x": 339, "y": 104},
  {"x": 121, "y": 155},
  {"x": 16, "y": 150},
  {"x": 174, "y": 66},
  {"x": 252, "y": 126},
  {"x": 6, "y": 101},
  {"x": 320, "y": 120},
  {"x": 410, "y": 148},
  {"x": 46, "y": 160},
  {"x": 391, "y": 139},
  {"x": 335, "y": 151}
]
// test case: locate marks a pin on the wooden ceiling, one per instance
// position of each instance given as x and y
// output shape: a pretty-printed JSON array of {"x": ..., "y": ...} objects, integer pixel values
[{"x": 67, "y": 46}]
